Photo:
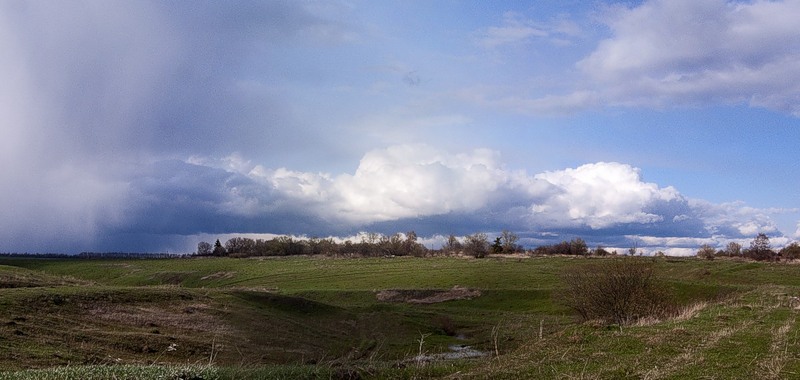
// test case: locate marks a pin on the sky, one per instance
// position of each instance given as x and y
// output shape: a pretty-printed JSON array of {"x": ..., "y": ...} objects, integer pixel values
[{"x": 148, "y": 126}]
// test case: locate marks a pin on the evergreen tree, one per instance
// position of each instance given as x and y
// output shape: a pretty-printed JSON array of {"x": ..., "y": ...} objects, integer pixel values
[
  {"x": 497, "y": 246},
  {"x": 219, "y": 250}
]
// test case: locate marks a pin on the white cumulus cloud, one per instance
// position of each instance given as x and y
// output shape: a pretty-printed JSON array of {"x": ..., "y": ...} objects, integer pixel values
[
  {"x": 406, "y": 181},
  {"x": 602, "y": 194}
]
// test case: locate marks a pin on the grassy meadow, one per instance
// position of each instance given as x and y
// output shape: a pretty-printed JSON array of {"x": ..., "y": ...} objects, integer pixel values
[{"x": 318, "y": 317}]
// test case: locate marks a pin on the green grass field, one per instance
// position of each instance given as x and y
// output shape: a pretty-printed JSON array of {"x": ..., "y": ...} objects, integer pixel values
[{"x": 321, "y": 317}]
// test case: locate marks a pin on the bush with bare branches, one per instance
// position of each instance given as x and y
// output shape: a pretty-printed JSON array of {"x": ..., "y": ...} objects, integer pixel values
[{"x": 617, "y": 291}]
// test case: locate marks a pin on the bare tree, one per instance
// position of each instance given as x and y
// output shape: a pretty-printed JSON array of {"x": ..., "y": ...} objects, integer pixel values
[
  {"x": 411, "y": 247},
  {"x": 204, "y": 248},
  {"x": 452, "y": 245},
  {"x": 241, "y": 246},
  {"x": 477, "y": 245},
  {"x": 509, "y": 240},
  {"x": 391, "y": 245},
  {"x": 760, "y": 249},
  {"x": 733, "y": 249}
]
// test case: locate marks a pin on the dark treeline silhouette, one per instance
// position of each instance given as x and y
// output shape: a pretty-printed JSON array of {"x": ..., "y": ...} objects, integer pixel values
[
  {"x": 96, "y": 255},
  {"x": 371, "y": 245},
  {"x": 129, "y": 255},
  {"x": 40, "y": 255},
  {"x": 575, "y": 247}
]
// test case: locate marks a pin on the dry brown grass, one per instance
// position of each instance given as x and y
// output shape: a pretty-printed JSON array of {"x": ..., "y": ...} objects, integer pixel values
[
  {"x": 683, "y": 314},
  {"x": 772, "y": 366},
  {"x": 219, "y": 276},
  {"x": 690, "y": 311},
  {"x": 691, "y": 354},
  {"x": 188, "y": 316},
  {"x": 24, "y": 279}
]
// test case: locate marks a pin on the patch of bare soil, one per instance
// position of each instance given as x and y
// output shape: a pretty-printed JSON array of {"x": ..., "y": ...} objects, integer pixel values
[
  {"x": 171, "y": 278},
  {"x": 219, "y": 276},
  {"x": 427, "y": 296}
]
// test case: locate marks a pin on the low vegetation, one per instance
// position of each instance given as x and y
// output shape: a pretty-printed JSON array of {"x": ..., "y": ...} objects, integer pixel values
[
  {"x": 401, "y": 317},
  {"x": 616, "y": 291}
]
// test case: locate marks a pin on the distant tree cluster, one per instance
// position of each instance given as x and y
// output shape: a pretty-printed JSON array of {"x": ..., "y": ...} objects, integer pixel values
[
  {"x": 48, "y": 255},
  {"x": 371, "y": 244},
  {"x": 126, "y": 255},
  {"x": 759, "y": 250},
  {"x": 574, "y": 247},
  {"x": 477, "y": 245},
  {"x": 98, "y": 255}
]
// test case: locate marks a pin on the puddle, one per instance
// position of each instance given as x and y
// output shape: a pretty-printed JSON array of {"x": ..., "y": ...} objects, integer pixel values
[{"x": 457, "y": 351}]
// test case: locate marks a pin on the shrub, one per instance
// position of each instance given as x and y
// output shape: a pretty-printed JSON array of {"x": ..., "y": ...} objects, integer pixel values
[
  {"x": 790, "y": 252},
  {"x": 617, "y": 291},
  {"x": 706, "y": 252}
]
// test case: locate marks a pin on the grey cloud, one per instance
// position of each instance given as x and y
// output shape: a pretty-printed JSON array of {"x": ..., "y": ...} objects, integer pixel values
[
  {"x": 687, "y": 52},
  {"x": 667, "y": 53}
]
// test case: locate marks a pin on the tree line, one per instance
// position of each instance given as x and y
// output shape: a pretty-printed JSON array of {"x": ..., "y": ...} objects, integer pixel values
[
  {"x": 370, "y": 245},
  {"x": 97, "y": 255},
  {"x": 759, "y": 250},
  {"x": 476, "y": 245}
]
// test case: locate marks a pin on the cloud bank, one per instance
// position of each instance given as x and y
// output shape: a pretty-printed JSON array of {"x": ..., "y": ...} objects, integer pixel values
[{"x": 432, "y": 191}]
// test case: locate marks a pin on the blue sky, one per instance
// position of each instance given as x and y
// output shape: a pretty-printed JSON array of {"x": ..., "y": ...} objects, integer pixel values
[{"x": 149, "y": 125}]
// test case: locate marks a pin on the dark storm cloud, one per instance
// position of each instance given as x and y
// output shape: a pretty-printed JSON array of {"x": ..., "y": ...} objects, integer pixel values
[
  {"x": 157, "y": 77},
  {"x": 95, "y": 90},
  {"x": 178, "y": 198}
]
